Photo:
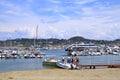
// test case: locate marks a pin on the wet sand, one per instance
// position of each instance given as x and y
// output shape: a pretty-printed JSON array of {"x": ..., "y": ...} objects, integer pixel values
[{"x": 63, "y": 74}]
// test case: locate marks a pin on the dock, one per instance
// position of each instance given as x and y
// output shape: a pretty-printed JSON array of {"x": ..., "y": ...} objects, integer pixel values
[{"x": 93, "y": 66}]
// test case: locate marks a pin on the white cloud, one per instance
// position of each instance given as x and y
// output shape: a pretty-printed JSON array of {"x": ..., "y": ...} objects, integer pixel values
[
  {"x": 81, "y": 2},
  {"x": 96, "y": 21},
  {"x": 55, "y": 1}
]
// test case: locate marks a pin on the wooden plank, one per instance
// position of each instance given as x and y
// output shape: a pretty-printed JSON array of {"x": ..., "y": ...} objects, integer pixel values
[
  {"x": 95, "y": 65},
  {"x": 98, "y": 64}
]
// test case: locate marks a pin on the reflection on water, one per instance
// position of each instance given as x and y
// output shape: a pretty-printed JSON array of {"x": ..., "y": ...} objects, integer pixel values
[{"x": 36, "y": 64}]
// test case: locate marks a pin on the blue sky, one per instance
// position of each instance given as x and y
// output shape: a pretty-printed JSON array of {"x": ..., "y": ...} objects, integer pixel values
[{"x": 93, "y": 19}]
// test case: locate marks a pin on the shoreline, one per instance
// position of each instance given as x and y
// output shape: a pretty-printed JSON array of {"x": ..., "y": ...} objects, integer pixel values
[{"x": 63, "y": 74}]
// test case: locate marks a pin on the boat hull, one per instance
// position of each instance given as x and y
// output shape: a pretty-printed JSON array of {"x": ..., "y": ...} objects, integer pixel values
[
  {"x": 64, "y": 65},
  {"x": 49, "y": 63}
]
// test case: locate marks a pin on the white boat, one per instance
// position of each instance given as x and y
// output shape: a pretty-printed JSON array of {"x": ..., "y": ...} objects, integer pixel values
[
  {"x": 95, "y": 53},
  {"x": 49, "y": 60},
  {"x": 81, "y": 49},
  {"x": 68, "y": 62},
  {"x": 63, "y": 65},
  {"x": 115, "y": 53}
]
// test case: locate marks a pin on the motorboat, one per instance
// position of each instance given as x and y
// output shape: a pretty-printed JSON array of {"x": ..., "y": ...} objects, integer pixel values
[
  {"x": 49, "y": 60},
  {"x": 63, "y": 65},
  {"x": 67, "y": 63}
]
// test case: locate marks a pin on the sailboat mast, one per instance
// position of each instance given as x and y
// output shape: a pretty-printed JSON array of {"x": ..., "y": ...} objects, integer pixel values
[
  {"x": 36, "y": 35},
  {"x": 36, "y": 32}
]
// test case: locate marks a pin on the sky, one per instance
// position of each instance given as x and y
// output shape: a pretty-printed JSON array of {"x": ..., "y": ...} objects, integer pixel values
[{"x": 62, "y": 19}]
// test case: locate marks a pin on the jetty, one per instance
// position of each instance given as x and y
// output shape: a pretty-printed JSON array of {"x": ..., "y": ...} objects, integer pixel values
[{"x": 93, "y": 66}]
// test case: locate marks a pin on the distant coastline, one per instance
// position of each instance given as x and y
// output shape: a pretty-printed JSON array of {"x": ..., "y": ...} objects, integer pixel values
[{"x": 54, "y": 42}]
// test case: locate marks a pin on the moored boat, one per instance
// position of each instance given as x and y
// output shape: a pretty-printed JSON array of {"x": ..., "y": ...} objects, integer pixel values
[
  {"x": 83, "y": 49},
  {"x": 63, "y": 65},
  {"x": 49, "y": 60},
  {"x": 70, "y": 62}
]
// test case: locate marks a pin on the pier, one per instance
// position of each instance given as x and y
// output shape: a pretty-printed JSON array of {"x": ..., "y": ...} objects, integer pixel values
[{"x": 93, "y": 66}]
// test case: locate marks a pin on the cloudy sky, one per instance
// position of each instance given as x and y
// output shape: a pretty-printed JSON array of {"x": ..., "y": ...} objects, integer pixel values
[{"x": 93, "y": 19}]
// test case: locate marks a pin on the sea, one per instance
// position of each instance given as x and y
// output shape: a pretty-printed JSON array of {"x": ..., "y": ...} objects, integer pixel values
[{"x": 7, "y": 65}]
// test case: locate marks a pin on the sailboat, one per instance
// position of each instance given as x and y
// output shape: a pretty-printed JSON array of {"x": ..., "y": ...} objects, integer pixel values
[{"x": 37, "y": 51}]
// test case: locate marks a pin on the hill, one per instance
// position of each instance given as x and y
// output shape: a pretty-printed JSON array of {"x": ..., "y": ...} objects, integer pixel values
[{"x": 53, "y": 41}]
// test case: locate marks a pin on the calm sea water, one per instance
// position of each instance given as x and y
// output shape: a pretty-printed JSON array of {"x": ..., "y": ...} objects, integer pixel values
[{"x": 36, "y": 64}]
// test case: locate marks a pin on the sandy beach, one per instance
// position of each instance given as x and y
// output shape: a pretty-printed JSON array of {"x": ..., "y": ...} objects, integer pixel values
[{"x": 62, "y": 74}]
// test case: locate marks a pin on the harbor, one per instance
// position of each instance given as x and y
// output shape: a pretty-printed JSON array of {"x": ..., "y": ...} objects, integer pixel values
[
  {"x": 59, "y": 39},
  {"x": 16, "y": 64}
]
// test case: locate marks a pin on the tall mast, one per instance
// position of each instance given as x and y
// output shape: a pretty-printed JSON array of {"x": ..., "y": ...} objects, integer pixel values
[
  {"x": 36, "y": 32},
  {"x": 36, "y": 35}
]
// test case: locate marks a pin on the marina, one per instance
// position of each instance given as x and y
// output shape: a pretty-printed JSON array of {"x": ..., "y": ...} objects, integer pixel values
[
  {"x": 59, "y": 39},
  {"x": 12, "y": 53},
  {"x": 16, "y": 64}
]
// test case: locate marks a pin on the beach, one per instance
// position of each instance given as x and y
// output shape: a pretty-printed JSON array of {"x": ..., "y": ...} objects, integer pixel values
[{"x": 63, "y": 74}]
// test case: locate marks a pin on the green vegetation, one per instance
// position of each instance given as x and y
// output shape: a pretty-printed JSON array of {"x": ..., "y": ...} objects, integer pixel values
[{"x": 25, "y": 42}]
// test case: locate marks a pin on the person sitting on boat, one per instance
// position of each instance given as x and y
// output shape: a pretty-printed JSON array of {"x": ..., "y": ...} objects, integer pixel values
[
  {"x": 69, "y": 60},
  {"x": 63, "y": 59},
  {"x": 73, "y": 53},
  {"x": 75, "y": 61},
  {"x": 78, "y": 59},
  {"x": 69, "y": 52}
]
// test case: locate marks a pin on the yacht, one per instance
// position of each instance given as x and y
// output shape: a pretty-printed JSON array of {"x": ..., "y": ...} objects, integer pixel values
[{"x": 82, "y": 49}]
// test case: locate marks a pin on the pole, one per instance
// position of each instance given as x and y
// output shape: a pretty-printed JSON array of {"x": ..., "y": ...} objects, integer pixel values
[{"x": 36, "y": 35}]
